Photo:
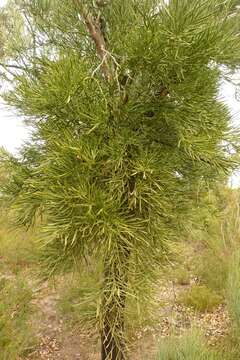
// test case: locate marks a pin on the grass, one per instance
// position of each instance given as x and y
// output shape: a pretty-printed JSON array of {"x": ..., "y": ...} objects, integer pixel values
[
  {"x": 180, "y": 276},
  {"x": 17, "y": 248},
  {"x": 212, "y": 270},
  {"x": 200, "y": 298},
  {"x": 15, "y": 311},
  {"x": 191, "y": 346},
  {"x": 78, "y": 300},
  {"x": 233, "y": 292}
]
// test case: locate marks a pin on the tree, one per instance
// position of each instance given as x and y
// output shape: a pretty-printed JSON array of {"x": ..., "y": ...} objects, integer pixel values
[{"x": 128, "y": 131}]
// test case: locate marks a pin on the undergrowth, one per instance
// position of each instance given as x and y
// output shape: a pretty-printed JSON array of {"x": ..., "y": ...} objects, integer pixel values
[
  {"x": 200, "y": 298},
  {"x": 16, "y": 338},
  {"x": 191, "y": 346}
]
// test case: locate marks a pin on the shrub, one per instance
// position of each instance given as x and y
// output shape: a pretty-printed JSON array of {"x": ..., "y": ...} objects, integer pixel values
[
  {"x": 189, "y": 347},
  {"x": 213, "y": 270},
  {"x": 200, "y": 298},
  {"x": 180, "y": 276},
  {"x": 233, "y": 292},
  {"x": 15, "y": 310},
  {"x": 17, "y": 248}
]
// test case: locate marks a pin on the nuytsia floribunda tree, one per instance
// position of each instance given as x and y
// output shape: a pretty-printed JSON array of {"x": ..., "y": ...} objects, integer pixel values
[{"x": 127, "y": 131}]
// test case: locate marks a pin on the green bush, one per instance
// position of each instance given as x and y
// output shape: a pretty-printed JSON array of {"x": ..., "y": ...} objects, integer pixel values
[
  {"x": 180, "y": 276},
  {"x": 200, "y": 298},
  {"x": 18, "y": 249},
  {"x": 189, "y": 347},
  {"x": 15, "y": 309},
  {"x": 216, "y": 238},
  {"x": 233, "y": 292},
  {"x": 213, "y": 270}
]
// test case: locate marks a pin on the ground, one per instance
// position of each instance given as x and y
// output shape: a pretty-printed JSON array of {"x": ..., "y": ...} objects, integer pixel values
[{"x": 58, "y": 342}]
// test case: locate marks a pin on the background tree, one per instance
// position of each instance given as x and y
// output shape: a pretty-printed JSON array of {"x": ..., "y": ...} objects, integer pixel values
[{"x": 128, "y": 131}]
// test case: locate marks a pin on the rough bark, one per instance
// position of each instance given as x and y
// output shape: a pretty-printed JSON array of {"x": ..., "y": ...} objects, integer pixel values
[{"x": 113, "y": 345}]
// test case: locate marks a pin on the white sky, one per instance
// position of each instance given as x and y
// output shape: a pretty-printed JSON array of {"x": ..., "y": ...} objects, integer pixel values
[{"x": 12, "y": 130}]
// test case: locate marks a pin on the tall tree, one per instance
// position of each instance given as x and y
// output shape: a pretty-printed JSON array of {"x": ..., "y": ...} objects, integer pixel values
[{"x": 128, "y": 130}]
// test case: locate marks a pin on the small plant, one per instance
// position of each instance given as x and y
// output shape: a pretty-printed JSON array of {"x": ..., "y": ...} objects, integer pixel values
[
  {"x": 189, "y": 347},
  {"x": 15, "y": 309},
  {"x": 200, "y": 298}
]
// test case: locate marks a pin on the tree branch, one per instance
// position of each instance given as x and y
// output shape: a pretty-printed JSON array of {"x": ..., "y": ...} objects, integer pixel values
[
  {"x": 94, "y": 28},
  {"x": 12, "y": 66}
]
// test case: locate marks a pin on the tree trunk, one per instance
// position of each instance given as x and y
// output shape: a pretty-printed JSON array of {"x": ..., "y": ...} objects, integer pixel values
[
  {"x": 113, "y": 345},
  {"x": 110, "y": 350}
]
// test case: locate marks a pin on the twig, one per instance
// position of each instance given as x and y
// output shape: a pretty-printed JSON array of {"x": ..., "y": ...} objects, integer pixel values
[
  {"x": 18, "y": 67},
  {"x": 98, "y": 67}
]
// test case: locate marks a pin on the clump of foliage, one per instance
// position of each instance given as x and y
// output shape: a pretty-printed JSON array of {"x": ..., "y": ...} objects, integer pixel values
[
  {"x": 15, "y": 310},
  {"x": 188, "y": 347},
  {"x": 200, "y": 298},
  {"x": 128, "y": 134},
  {"x": 213, "y": 269}
]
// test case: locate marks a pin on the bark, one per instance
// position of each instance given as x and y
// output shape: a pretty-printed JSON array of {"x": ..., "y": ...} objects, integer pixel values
[
  {"x": 113, "y": 345},
  {"x": 110, "y": 350}
]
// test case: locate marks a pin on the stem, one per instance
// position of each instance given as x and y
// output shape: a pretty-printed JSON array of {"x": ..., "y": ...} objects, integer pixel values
[{"x": 113, "y": 345}]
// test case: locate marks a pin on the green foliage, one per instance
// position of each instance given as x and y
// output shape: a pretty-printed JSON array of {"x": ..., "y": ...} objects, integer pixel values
[
  {"x": 128, "y": 134},
  {"x": 233, "y": 292},
  {"x": 213, "y": 270},
  {"x": 15, "y": 310},
  {"x": 180, "y": 276},
  {"x": 218, "y": 240},
  {"x": 78, "y": 304},
  {"x": 188, "y": 347},
  {"x": 78, "y": 300},
  {"x": 200, "y": 298},
  {"x": 18, "y": 248}
]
